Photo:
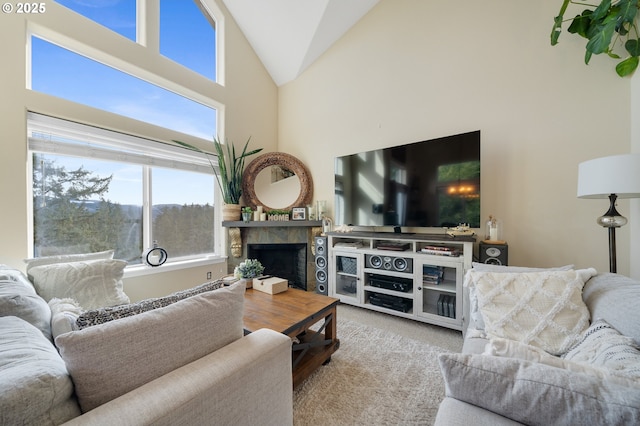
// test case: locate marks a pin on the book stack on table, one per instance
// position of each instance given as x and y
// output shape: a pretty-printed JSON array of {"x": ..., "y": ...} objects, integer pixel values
[{"x": 441, "y": 250}]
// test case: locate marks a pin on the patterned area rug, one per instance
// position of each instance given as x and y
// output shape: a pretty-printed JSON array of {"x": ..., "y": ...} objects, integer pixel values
[{"x": 376, "y": 378}]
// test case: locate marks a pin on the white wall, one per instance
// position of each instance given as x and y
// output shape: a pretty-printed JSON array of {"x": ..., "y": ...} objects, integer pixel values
[
  {"x": 249, "y": 97},
  {"x": 413, "y": 70}
]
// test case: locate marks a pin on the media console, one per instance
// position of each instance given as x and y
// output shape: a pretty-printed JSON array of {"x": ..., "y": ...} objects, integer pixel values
[{"x": 415, "y": 276}]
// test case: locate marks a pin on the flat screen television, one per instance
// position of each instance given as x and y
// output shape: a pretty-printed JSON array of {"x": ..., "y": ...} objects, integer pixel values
[{"x": 431, "y": 183}]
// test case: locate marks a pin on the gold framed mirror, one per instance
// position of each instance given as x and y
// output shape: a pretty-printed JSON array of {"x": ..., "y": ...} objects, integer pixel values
[{"x": 277, "y": 180}]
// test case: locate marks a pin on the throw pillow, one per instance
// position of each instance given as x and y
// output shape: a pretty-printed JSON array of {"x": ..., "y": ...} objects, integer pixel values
[
  {"x": 474, "y": 310},
  {"x": 614, "y": 298},
  {"x": 100, "y": 316},
  {"x": 111, "y": 359},
  {"x": 537, "y": 394},
  {"x": 66, "y": 258},
  {"x": 512, "y": 349},
  {"x": 20, "y": 300},
  {"x": 35, "y": 388},
  {"x": 10, "y": 274},
  {"x": 93, "y": 283},
  {"x": 543, "y": 309},
  {"x": 64, "y": 314},
  {"x": 603, "y": 346}
]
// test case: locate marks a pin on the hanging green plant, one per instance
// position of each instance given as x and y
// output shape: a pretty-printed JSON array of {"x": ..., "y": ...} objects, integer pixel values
[{"x": 610, "y": 27}]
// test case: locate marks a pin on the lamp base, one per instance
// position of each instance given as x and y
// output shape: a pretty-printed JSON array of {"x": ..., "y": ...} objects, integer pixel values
[
  {"x": 612, "y": 250},
  {"x": 612, "y": 220}
]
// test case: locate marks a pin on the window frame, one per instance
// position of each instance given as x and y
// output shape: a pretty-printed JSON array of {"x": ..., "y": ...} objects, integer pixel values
[
  {"x": 104, "y": 146},
  {"x": 142, "y": 60}
]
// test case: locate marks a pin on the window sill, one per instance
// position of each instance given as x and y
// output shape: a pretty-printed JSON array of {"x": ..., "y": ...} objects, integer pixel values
[{"x": 140, "y": 270}]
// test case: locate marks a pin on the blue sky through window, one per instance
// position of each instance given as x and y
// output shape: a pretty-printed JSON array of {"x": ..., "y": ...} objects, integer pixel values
[
  {"x": 62, "y": 73},
  {"x": 117, "y": 15},
  {"x": 187, "y": 37}
]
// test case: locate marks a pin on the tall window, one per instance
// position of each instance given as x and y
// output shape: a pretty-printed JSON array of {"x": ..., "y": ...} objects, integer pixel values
[
  {"x": 188, "y": 36},
  {"x": 95, "y": 190},
  {"x": 65, "y": 74},
  {"x": 187, "y": 28},
  {"x": 118, "y": 16}
]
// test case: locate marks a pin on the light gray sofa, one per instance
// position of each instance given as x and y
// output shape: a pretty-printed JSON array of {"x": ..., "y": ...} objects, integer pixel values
[
  {"x": 186, "y": 362},
  {"x": 487, "y": 386}
]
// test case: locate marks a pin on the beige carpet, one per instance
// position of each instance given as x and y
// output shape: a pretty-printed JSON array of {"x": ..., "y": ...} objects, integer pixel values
[{"x": 385, "y": 373}]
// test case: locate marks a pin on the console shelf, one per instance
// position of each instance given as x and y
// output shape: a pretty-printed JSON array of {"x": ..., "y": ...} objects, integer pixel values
[{"x": 416, "y": 276}]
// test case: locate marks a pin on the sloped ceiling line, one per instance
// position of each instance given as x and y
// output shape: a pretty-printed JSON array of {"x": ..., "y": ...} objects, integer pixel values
[{"x": 289, "y": 35}]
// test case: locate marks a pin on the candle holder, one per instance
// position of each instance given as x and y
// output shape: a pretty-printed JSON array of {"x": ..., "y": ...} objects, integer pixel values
[{"x": 493, "y": 231}]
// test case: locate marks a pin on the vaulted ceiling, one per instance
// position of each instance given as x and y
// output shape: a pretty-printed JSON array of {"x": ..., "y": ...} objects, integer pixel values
[{"x": 289, "y": 35}]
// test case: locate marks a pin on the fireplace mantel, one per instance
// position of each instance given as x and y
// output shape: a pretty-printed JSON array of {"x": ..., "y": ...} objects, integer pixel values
[
  {"x": 242, "y": 234},
  {"x": 271, "y": 223}
]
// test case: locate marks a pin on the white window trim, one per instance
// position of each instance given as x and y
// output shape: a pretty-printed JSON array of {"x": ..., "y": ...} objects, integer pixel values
[{"x": 141, "y": 270}]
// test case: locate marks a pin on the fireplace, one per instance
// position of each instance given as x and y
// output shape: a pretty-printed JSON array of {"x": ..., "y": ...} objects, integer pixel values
[
  {"x": 284, "y": 260},
  {"x": 248, "y": 240}
]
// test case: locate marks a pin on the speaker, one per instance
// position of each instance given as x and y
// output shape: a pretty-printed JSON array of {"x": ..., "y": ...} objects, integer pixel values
[
  {"x": 389, "y": 263},
  {"x": 494, "y": 254},
  {"x": 322, "y": 264}
]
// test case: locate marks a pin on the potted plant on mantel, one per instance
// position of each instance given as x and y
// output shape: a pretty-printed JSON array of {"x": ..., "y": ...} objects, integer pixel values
[
  {"x": 611, "y": 28},
  {"x": 230, "y": 176}
]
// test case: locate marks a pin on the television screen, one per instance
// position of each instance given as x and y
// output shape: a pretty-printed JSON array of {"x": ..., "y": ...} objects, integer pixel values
[{"x": 432, "y": 183}]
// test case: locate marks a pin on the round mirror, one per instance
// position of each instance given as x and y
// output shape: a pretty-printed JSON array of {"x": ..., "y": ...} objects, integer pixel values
[{"x": 277, "y": 180}]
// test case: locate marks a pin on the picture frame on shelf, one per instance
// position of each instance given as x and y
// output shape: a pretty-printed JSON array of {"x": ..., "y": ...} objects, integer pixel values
[{"x": 299, "y": 213}]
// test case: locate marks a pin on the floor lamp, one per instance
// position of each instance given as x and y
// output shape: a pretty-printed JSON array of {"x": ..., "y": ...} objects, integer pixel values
[{"x": 613, "y": 177}]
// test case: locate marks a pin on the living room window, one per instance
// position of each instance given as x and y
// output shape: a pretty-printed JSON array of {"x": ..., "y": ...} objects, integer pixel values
[
  {"x": 118, "y": 16},
  {"x": 187, "y": 29},
  {"x": 188, "y": 36},
  {"x": 60, "y": 72},
  {"x": 95, "y": 190}
]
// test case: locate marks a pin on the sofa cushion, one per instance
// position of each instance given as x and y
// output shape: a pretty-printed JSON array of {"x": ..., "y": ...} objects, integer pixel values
[
  {"x": 92, "y": 283},
  {"x": 544, "y": 309},
  {"x": 603, "y": 346},
  {"x": 35, "y": 388},
  {"x": 474, "y": 310},
  {"x": 108, "y": 360},
  {"x": 614, "y": 298},
  {"x": 100, "y": 316},
  {"x": 20, "y": 300},
  {"x": 538, "y": 394}
]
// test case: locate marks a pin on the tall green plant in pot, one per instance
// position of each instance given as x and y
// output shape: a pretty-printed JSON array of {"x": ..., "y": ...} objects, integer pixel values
[{"x": 229, "y": 178}]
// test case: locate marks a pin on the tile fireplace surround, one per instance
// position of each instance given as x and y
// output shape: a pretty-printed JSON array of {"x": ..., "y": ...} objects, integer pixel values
[{"x": 286, "y": 233}]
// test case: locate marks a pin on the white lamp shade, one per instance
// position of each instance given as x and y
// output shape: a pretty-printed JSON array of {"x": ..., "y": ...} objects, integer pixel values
[{"x": 617, "y": 174}]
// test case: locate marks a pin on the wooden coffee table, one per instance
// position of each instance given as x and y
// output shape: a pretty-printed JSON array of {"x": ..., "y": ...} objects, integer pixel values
[{"x": 292, "y": 313}]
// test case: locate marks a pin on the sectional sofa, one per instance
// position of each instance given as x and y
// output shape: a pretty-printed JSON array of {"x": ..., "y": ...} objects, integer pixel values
[
  {"x": 67, "y": 356},
  {"x": 546, "y": 347}
]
